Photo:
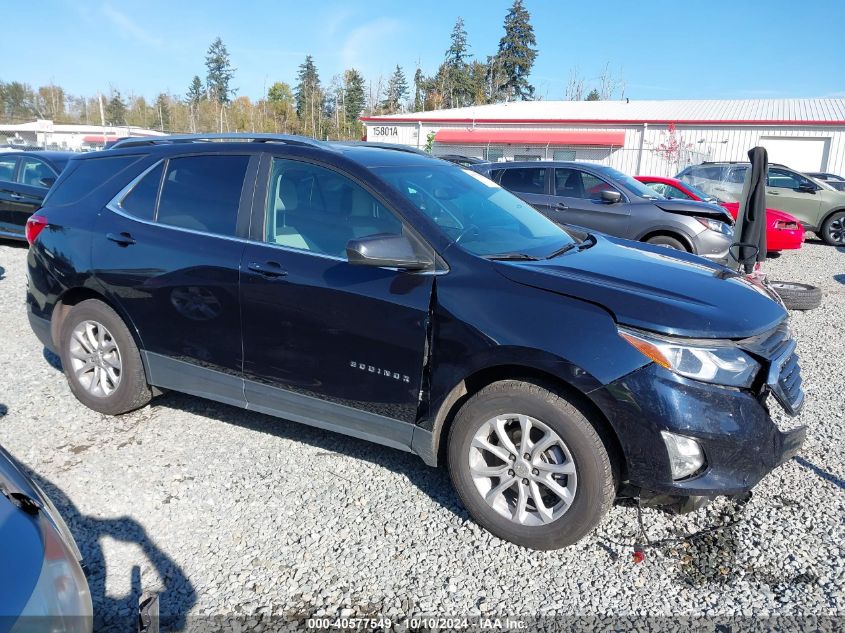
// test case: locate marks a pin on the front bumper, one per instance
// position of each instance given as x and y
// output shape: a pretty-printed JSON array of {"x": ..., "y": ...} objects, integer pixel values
[
  {"x": 740, "y": 441},
  {"x": 713, "y": 245}
]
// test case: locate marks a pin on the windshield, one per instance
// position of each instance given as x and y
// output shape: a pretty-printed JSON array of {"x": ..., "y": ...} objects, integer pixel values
[
  {"x": 701, "y": 195},
  {"x": 642, "y": 190},
  {"x": 475, "y": 212}
]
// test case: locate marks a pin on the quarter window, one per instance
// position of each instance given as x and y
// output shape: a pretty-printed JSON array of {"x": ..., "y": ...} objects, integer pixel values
[
  {"x": 202, "y": 193},
  {"x": 524, "y": 180},
  {"x": 141, "y": 201},
  {"x": 316, "y": 209}
]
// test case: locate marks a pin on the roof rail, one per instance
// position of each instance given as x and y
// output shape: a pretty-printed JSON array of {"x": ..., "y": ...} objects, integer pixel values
[
  {"x": 397, "y": 147},
  {"x": 290, "y": 139}
]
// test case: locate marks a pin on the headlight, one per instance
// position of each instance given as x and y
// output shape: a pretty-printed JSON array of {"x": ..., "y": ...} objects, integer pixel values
[
  {"x": 716, "y": 225},
  {"x": 61, "y": 600},
  {"x": 718, "y": 362}
]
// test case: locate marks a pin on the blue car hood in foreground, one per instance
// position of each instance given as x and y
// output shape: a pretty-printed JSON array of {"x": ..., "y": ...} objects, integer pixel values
[{"x": 654, "y": 288}]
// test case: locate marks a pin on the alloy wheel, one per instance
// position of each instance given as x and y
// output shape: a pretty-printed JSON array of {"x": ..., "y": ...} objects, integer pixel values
[
  {"x": 523, "y": 469},
  {"x": 836, "y": 229},
  {"x": 95, "y": 358}
]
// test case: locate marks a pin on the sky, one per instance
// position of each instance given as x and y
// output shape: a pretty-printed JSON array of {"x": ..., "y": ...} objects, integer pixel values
[{"x": 664, "y": 49}]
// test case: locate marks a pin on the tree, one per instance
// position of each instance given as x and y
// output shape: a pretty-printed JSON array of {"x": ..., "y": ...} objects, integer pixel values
[
  {"x": 419, "y": 90},
  {"x": 116, "y": 109},
  {"x": 516, "y": 55},
  {"x": 219, "y": 72},
  {"x": 397, "y": 90},
  {"x": 354, "y": 97},
  {"x": 593, "y": 96},
  {"x": 453, "y": 76},
  {"x": 309, "y": 97},
  {"x": 162, "y": 111},
  {"x": 575, "y": 86},
  {"x": 280, "y": 98},
  {"x": 195, "y": 93}
]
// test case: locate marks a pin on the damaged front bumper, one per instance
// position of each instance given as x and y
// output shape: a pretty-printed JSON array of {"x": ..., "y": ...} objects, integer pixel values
[{"x": 740, "y": 441}]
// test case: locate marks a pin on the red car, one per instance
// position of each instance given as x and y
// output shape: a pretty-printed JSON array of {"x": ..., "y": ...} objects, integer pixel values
[{"x": 783, "y": 231}]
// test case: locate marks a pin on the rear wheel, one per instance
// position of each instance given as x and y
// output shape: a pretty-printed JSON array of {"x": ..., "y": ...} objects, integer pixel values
[
  {"x": 668, "y": 241},
  {"x": 833, "y": 229},
  {"x": 529, "y": 466},
  {"x": 101, "y": 361}
]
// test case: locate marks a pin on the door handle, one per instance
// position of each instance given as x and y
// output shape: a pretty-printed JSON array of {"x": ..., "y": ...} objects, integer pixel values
[
  {"x": 271, "y": 270},
  {"x": 772, "y": 193},
  {"x": 561, "y": 206},
  {"x": 16, "y": 196},
  {"x": 121, "y": 239}
]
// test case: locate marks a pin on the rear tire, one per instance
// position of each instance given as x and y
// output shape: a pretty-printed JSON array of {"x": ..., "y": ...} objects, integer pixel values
[
  {"x": 101, "y": 361},
  {"x": 667, "y": 241},
  {"x": 516, "y": 504},
  {"x": 797, "y": 296},
  {"x": 833, "y": 229}
]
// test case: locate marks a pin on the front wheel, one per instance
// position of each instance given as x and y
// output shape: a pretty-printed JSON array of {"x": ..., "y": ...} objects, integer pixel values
[
  {"x": 668, "y": 242},
  {"x": 833, "y": 229},
  {"x": 101, "y": 361},
  {"x": 529, "y": 466}
]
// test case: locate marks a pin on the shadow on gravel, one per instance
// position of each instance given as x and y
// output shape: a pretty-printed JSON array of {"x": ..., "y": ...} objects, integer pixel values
[
  {"x": 176, "y": 593},
  {"x": 432, "y": 481},
  {"x": 14, "y": 243},
  {"x": 836, "y": 481}
]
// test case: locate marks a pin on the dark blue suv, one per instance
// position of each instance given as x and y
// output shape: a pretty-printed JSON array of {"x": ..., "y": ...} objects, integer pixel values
[{"x": 404, "y": 300}]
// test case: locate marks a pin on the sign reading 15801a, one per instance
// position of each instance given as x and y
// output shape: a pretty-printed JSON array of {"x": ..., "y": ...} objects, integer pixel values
[{"x": 385, "y": 130}]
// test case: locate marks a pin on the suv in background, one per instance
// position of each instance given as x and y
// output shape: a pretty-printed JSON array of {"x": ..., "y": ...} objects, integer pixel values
[
  {"x": 818, "y": 206},
  {"x": 604, "y": 199},
  {"x": 410, "y": 302},
  {"x": 833, "y": 180},
  {"x": 25, "y": 179}
]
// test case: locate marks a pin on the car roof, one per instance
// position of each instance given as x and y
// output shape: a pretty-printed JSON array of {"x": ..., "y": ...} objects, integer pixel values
[{"x": 49, "y": 154}]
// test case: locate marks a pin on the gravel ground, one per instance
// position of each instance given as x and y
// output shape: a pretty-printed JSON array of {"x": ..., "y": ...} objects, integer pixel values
[{"x": 233, "y": 513}]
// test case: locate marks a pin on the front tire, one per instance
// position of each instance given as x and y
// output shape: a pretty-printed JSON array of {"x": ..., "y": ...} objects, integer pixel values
[
  {"x": 668, "y": 242},
  {"x": 528, "y": 465},
  {"x": 833, "y": 229},
  {"x": 101, "y": 361}
]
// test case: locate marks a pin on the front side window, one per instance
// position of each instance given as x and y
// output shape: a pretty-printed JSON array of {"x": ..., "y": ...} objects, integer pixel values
[
  {"x": 524, "y": 180},
  {"x": 316, "y": 209},
  {"x": 574, "y": 183},
  {"x": 785, "y": 179},
  {"x": 475, "y": 212},
  {"x": 33, "y": 171},
  {"x": 202, "y": 193}
]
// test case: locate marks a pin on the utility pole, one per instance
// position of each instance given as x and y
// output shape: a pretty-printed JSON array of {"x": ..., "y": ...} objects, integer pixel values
[{"x": 102, "y": 116}]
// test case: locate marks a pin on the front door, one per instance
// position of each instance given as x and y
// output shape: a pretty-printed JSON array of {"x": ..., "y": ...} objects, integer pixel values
[
  {"x": 578, "y": 201},
  {"x": 783, "y": 193},
  {"x": 325, "y": 342},
  {"x": 167, "y": 251}
]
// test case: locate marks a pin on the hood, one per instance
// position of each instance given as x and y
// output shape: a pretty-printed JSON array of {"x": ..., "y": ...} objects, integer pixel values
[
  {"x": 654, "y": 288},
  {"x": 694, "y": 207}
]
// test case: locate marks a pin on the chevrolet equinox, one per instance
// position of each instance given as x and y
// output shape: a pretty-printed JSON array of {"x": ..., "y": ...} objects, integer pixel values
[{"x": 406, "y": 301}]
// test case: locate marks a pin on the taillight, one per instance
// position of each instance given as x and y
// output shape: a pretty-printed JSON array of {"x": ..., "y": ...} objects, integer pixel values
[
  {"x": 785, "y": 225},
  {"x": 34, "y": 225}
]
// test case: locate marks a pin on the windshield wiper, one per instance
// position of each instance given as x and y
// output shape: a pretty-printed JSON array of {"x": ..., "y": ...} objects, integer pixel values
[
  {"x": 585, "y": 243},
  {"x": 511, "y": 257}
]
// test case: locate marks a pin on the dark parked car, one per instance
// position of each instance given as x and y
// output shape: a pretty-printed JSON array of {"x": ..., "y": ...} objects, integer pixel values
[
  {"x": 463, "y": 161},
  {"x": 833, "y": 180},
  {"x": 25, "y": 178},
  {"x": 410, "y": 302},
  {"x": 42, "y": 585},
  {"x": 604, "y": 199}
]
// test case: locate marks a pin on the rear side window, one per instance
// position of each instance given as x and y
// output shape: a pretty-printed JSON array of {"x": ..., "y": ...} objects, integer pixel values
[
  {"x": 202, "y": 193},
  {"x": 33, "y": 171},
  {"x": 141, "y": 201},
  {"x": 7, "y": 167},
  {"x": 86, "y": 176},
  {"x": 525, "y": 180}
]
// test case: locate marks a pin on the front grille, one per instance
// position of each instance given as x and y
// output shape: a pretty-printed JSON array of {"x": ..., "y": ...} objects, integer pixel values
[{"x": 784, "y": 373}]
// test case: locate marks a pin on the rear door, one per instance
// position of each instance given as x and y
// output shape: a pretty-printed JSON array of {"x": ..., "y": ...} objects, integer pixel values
[
  {"x": 529, "y": 183},
  {"x": 167, "y": 251},
  {"x": 578, "y": 201},
  {"x": 326, "y": 342},
  {"x": 10, "y": 206},
  {"x": 782, "y": 192},
  {"x": 32, "y": 182}
]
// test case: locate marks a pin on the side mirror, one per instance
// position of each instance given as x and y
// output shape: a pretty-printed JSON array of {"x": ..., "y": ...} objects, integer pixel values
[
  {"x": 807, "y": 187},
  {"x": 610, "y": 197},
  {"x": 47, "y": 182},
  {"x": 386, "y": 251}
]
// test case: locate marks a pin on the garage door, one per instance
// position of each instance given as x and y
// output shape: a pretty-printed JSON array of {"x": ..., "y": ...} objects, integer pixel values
[{"x": 803, "y": 154}]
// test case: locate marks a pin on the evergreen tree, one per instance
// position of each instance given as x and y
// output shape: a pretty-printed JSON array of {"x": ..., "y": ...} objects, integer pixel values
[
  {"x": 309, "y": 97},
  {"x": 354, "y": 95},
  {"x": 162, "y": 111},
  {"x": 420, "y": 87},
  {"x": 397, "y": 90},
  {"x": 453, "y": 76},
  {"x": 516, "y": 55},
  {"x": 116, "y": 109},
  {"x": 593, "y": 96},
  {"x": 195, "y": 92},
  {"x": 219, "y": 72}
]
